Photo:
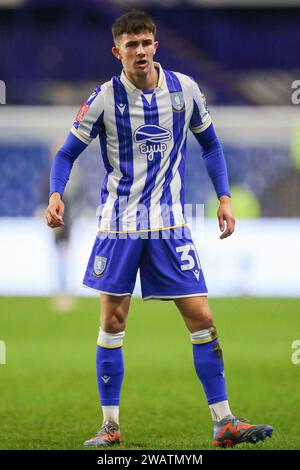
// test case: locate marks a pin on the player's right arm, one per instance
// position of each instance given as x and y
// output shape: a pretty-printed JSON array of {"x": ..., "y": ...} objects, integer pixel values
[{"x": 88, "y": 124}]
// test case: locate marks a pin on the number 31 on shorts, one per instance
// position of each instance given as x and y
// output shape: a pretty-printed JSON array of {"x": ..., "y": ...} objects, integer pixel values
[{"x": 186, "y": 258}]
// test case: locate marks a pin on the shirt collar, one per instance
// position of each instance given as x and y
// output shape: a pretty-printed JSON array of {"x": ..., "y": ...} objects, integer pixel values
[{"x": 131, "y": 87}]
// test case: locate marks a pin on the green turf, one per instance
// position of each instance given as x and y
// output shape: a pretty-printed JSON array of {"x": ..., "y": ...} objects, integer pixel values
[{"x": 48, "y": 388}]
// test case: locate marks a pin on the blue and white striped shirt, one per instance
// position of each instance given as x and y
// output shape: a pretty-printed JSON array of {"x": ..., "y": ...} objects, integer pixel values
[{"x": 143, "y": 143}]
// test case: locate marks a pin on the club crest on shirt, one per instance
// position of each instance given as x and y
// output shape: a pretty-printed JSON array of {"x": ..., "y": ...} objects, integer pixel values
[
  {"x": 153, "y": 139},
  {"x": 177, "y": 101},
  {"x": 99, "y": 266}
]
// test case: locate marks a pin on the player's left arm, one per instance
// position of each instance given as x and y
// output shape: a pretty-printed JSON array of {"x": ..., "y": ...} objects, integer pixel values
[
  {"x": 213, "y": 156},
  {"x": 225, "y": 217},
  {"x": 215, "y": 163}
]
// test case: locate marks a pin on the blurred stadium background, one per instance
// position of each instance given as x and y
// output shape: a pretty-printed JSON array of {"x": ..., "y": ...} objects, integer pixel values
[{"x": 245, "y": 56}]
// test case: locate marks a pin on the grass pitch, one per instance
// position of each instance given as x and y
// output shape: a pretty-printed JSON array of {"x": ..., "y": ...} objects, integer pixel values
[{"x": 48, "y": 392}]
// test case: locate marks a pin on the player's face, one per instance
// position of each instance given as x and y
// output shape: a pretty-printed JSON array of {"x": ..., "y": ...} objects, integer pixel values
[{"x": 136, "y": 52}]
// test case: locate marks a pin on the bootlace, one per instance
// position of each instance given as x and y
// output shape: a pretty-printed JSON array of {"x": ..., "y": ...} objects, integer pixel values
[
  {"x": 244, "y": 420},
  {"x": 108, "y": 427}
]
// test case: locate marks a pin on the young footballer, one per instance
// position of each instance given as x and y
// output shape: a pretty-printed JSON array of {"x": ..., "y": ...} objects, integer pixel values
[{"x": 141, "y": 119}]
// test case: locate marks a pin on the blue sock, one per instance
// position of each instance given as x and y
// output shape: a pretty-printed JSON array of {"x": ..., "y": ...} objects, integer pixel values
[
  {"x": 110, "y": 372},
  {"x": 110, "y": 367},
  {"x": 209, "y": 367}
]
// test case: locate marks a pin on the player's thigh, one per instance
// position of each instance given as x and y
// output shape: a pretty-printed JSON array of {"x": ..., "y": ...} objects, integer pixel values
[{"x": 114, "y": 312}]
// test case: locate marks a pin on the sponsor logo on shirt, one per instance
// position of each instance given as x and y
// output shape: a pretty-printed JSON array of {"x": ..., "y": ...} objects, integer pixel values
[
  {"x": 82, "y": 112},
  {"x": 153, "y": 140}
]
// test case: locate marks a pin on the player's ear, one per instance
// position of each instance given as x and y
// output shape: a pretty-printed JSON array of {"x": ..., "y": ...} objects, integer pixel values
[
  {"x": 116, "y": 52},
  {"x": 155, "y": 47}
]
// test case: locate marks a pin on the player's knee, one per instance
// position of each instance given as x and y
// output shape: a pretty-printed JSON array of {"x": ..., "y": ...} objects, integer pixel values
[
  {"x": 113, "y": 323},
  {"x": 201, "y": 321},
  {"x": 204, "y": 316},
  {"x": 206, "y": 320},
  {"x": 117, "y": 323}
]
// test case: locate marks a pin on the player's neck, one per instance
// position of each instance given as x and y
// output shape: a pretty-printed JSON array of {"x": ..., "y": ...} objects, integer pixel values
[{"x": 147, "y": 82}]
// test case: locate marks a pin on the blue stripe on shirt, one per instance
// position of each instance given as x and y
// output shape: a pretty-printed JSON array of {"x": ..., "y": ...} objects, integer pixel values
[
  {"x": 123, "y": 125},
  {"x": 196, "y": 119},
  {"x": 173, "y": 85},
  {"x": 150, "y": 117},
  {"x": 109, "y": 169}
]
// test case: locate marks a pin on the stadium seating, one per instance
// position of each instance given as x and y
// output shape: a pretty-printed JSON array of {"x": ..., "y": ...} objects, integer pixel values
[{"x": 60, "y": 45}]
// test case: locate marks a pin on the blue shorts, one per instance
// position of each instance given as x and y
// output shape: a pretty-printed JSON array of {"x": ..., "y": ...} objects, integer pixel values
[{"x": 169, "y": 265}]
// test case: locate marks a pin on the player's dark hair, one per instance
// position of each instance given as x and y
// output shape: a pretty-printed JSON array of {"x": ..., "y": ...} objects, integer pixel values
[{"x": 133, "y": 22}]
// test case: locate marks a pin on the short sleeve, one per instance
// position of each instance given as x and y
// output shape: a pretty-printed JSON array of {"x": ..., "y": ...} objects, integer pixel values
[
  {"x": 89, "y": 119},
  {"x": 200, "y": 119}
]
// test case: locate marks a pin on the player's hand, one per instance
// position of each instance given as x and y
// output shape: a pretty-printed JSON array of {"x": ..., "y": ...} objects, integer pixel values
[
  {"x": 225, "y": 217},
  {"x": 55, "y": 211}
]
